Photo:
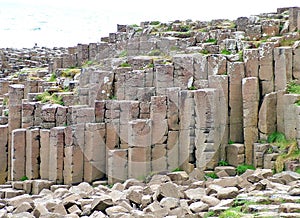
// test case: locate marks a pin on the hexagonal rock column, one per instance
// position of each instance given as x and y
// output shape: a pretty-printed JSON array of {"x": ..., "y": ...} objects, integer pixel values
[
  {"x": 235, "y": 154},
  {"x": 94, "y": 151},
  {"x": 250, "y": 93},
  {"x": 139, "y": 151},
  {"x": 266, "y": 68},
  {"x": 158, "y": 116},
  {"x": 44, "y": 153},
  {"x": 267, "y": 115},
  {"x": 294, "y": 19},
  {"x": 251, "y": 62},
  {"x": 3, "y": 153},
  {"x": 296, "y": 59},
  {"x": 16, "y": 94},
  {"x": 290, "y": 111},
  {"x": 207, "y": 127},
  {"x": 56, "y": 157},
  {"x": 117, "y": 165},
  {"x": 33, "y": 153},
  {"x": 236, "y": 73},
  {"x": 73, "y": 154},
  {"x": 18, "y": 152},
  {"x": 4, "y": 87},
  {"x": 283, "y": 67}
]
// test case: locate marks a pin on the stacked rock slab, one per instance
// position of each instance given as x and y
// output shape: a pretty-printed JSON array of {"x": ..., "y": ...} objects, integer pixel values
[{"x": 155, "y": 100}]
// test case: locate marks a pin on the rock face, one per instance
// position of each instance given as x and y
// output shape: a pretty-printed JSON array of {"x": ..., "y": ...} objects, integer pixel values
[
  {"x": 160, "y": 197},
  {"x": 153, "y": 98}
]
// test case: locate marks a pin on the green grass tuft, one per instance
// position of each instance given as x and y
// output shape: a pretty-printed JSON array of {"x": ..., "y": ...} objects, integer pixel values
[{"x": 243, "y": 168}]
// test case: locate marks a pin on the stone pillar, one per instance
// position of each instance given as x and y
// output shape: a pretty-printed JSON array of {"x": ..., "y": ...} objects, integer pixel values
[
  {"x": 283, "y": 67},
  {"x": 184, "y": 70},
  {"x": 267, "y": 117},
  {"x": 235, "y": 154},
  {"x": 250, "y": 91},
  {"x": 44, "y": 153},
  {"x": 139, "y": 151},
  {"x": 186, "y": 128},
  {"x": 221, "y": 84},
  {"x": 158, "y": 116},
  {"x": 266, "y": 69},
  {"x": 216, "y": 65},
  {"x": 82, "y": 53},
  {"x": 93, "y": 50},
  {"x": 164, "y": 77},
  {"x": 33, "y": 153},
  {"x": 16, "y": 94},
  {"x": 200, "y": 67},
  {"x": 56, "y": 157},
  {"x": 3, "y": 153},
  {"x": 18, "y": 150},
  {"x": 251, "y": 62},
  {"x": 296, "y": 61},
  {"x": 94, "y": 152},
  {"x": 117, "y": 165},
  {"x": 207, "y": 128},
  {"x": 28, "y": 109},
  {"x": 31, "y": 86},
  {"x": 73, "y": 158},
  {"x": 290, "y": 111},
  {"x": 112, "y": 119},
  {"x": 99, "y": 111},
  {"x": 294, "y": 18},
  {"x": 3, "y": 87},
  {"x": 236, "y": 74},
  {"x": 280, "y": 111}
]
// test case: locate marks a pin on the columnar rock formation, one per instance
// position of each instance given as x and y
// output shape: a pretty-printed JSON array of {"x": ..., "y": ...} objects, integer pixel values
[{"x": 152, "y": 98}]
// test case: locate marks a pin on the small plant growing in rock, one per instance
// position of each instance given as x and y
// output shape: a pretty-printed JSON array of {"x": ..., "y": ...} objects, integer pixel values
[
  {"x": 45, "y": 97},
  {"x": 226, "y": 52},
  {"x": 276, "y": 137},
  {"x": 192, "y": 88},
  {"x": 204, "y": 51},
  {"x": 243, "y": 168},
  {"x": 223, "y": 163},
  {"x": 125, "y": 64},
  {"x": 154, "y": 23},
  {"x": 230, "y": 142},
  {"x": 210, "y": 40},
  {"x": 155, "y": 52},
  {"x": 24, "y": 178},
  {"x": 212, "y": 175},
  {"x": 52, "y": 78},
  {"x": 123, "y": 54},
  {"x": 293, "y": 87},
  {"x": 184, "y": 28},
  {"x": 177, "y": 170}
]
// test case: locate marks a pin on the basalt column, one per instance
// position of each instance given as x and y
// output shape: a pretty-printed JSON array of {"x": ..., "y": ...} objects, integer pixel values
[
  {"x": 16, "y": 94},
  {"x": 3, "y": 153}
]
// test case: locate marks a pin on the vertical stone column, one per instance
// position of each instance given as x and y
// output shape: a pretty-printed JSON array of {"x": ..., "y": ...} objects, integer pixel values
[
  {"x": 164, "y": 77},
  {"x": 221, "y": 84},
  {"x": 129, "y": 110},
  {"x": 112, "y": 119},
  {"x": 117, "y": 165},
  {"x": 139, "y": 151},
  {"x": 94, "y": 152},
  {"x": 158, "y": 116},
  {"x": 33, "y": 153},
  {"x": 73, "y": 158},
  {"x": 216, "y": 64},
  {"x": 200, "y": 67},
  {"x": 294, "y": 18},
  {"x": 283, "y": 67},
  {"x": 44, "y": 153},
  {"x": 266, "y": 69},
  {"x": 236, "y": 74},
  {"x": 28, "y": 114},
  {"x": 3, "y": 153},
  {"x": 93, "y": 49},
  {"x": 183, "y": 70},
  {"x": 99, "y": 111},
  {"x": 31, "y": 86},
  {"x": 267, "y": 117},
  {"x": 290, "y": 111},
  {"x": 82, "y": 53},
  {"x": 56, "y": 157},
  {"x": 16, "y": 94},
  {"x": 3, "y": 87},
  {"x": 18, "y": 150},
  {"x": 250, "y": 91},
  {"x": 296, "y": 60},
  {"x": 186, "y": 129},
  {"x": 207, "y": 128},
  {"x": 251, "y": 62},
  {"x": 173, "y": 127}
]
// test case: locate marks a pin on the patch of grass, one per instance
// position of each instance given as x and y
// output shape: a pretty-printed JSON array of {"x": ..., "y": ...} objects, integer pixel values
[
  {"x": 243, "y": 168},
  {"x": 226, "y": 52},
  {"x": 45, "y": 97},
  {"x": 297, "y": 103},
  {"x": 298, "y": 170},
  {"x": 70, "y": 72},
  {"x": 223, "y": 163},
  {"x": 209, "y": 214},
  {"x": 241, "y": 56},
  {"x": 154, "y": 23},
  {"x": 6, "y": 113},
  {"x": 134, "y": 25},
  {"x": 211, "y": 175},
  {"x": 276, "y": 137},
  {"x": 192, "y": 88},
  {"x": 24, "y": 178},
  {"x": 292, "y": 152},
  {"x": 287, "y": 42},
  {"x": 125, "y": 64},
  {"x": 52, "y": 78},
  {"x": 230, "y": 214},
  {"x": 230, "y": 142},
  {"x": 177, "y": 170},
  {"x": 210, "y": 40},
  {"x": 87, "y": 64},
  {"x": 113, "y": 97},
  {"x": 184, "y": 28},
  {"x": 293, "y": 87},
  {"x": 204, "y": 51},
  {"x": 151, "y": 65}
]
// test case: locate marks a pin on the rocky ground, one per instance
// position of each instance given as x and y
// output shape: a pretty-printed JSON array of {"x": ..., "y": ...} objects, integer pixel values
[{"x": 255, "y": 193}]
